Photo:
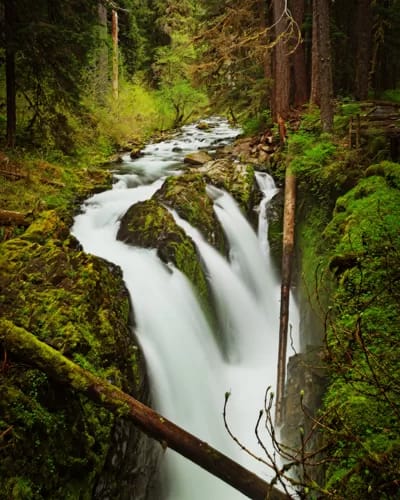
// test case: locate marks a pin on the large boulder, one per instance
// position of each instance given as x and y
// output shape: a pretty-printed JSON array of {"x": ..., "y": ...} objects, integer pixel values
[
  {"x": 187, "y": 195},
  {"x": 149, "y": 224},
  {"x": 235, "y": 177},
  {"x": 197, "y": 158}
]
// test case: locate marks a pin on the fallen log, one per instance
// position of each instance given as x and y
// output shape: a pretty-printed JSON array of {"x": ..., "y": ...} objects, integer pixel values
[
  {"x": 27, "y": 347},
  {"x": 11, "y": 218},
  {"x": 287, "y": 256}
]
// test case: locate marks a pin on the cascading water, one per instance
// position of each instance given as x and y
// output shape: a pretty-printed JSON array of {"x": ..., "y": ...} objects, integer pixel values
[{"x": 188, "y": 371}]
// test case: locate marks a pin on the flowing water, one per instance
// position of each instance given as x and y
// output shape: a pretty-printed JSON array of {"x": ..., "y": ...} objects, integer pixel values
[{"x": 188, "y": 370}]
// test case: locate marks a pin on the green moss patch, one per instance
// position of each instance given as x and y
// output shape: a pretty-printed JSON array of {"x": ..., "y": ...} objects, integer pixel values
[
  {"x": 149, "y": 224},
  {"x": 56, "y": 441},
  {"x": 354, "y": 261}
]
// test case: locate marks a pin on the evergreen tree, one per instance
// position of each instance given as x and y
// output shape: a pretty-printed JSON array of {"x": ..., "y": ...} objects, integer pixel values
[{"x": 50, "y": 45}]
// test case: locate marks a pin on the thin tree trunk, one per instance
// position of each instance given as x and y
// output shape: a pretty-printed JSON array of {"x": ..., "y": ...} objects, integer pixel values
[
  {"x": 281, "y": 91},
  {"x": 265, "y": 20},
  {"x": 115, "y": 54},
  {"x": 10, "y": 22},
  {"x": 31, "y": 350},
  {"x": 287, "y": 257},
  {"x": 102, "y": 76},
  {"x": 325, "y": 65},
  {"x": 364, "y": 45},
  {"x": 299, "y": 58},
  {"x": 315, "y": 81}
]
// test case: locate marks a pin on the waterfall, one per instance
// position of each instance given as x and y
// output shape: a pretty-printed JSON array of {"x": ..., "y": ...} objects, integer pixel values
[{"x": 189, "y": 371}]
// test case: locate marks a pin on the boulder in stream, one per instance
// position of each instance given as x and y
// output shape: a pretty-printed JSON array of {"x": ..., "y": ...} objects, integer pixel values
[
  {"x": 197, "y": 158},
  {"x": 149, "y": 224}
]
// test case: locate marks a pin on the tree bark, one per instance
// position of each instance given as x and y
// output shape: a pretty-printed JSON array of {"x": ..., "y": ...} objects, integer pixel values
[
  {"x": 10, "y": 22},
  {"x": 315, "y": 81},
  {"x": 281, "y": 90},
  {"x": 29, "y": 349},
  {"x": 115, "y": 67},
  {"x": 325, "y": 65},
  {"x": 102, "y": 77},
  {"x": 364, "y": 45},
  {"x": 299, "y": 58},
  {"x": 287, "y": 257}
]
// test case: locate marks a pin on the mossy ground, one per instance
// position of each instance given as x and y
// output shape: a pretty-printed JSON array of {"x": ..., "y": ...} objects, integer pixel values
[
  {"x": 350, "y": 259},
  {"x": 53, "y": 442}
]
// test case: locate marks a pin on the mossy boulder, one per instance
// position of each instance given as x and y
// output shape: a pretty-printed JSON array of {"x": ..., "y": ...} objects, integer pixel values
[
  {"x": 187, "y": 195},
  {"x": 53, "y": 442},
  {"x": 149, "y": 224},
  {"x": 235, "y": 177}
]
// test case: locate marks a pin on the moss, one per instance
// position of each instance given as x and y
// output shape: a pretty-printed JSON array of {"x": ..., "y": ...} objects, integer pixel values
[
  {"x": 187, "y": 195},
  {"x": 77, "y": 304},
  {"x": 149, "y": 224},
  {"x": 351, "y": 258}
]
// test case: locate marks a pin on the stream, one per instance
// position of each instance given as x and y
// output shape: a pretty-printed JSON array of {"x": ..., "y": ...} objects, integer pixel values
[{"x": 189, "y": 374}]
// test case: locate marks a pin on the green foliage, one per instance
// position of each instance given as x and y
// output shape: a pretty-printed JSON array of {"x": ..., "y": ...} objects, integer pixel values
[
  {"x": 257, "y": 122},
  {"x": 392, "y": 95},
  {"x": 182, "y": 101},
  {"x": 359, "y": 255}
]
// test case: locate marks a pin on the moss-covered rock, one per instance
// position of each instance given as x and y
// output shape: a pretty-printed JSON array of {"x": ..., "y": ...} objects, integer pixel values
[
  {"x": 186, "y": 194},
  {"x": 149, "y": 224},
  {"x": 235, "y": 177},
  {"x": 351, "y": 264},
  {"x": 53, "y": 442}
]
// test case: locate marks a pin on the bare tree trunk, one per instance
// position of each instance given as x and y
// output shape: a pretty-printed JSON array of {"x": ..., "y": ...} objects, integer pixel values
[
  {"x": 32, "y": 351},
  {"x": 287, "y": 257},
  {"x": 281, "y": 91},
  {"x": 115, "y": 54},
  {"x": 325, "y": 65},
  {"x": 299, "y": 58},
  {"x": 102, "y": 76},
  {"x": 265, "y": 14},
  {"x": 315, "y": 81},
  {"x": 364, "y": 46},
  {"x": 10, "y": 22}
]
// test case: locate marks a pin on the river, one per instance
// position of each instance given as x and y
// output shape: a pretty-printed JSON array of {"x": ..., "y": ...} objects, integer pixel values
[{"x": 189, "y": 374}]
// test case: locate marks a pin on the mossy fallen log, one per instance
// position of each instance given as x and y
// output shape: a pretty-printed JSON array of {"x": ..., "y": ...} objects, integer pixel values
[{"x": 27, "y": 347}]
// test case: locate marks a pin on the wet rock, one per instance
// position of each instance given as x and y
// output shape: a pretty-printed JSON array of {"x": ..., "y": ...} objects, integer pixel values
[
  {"x": 197, "y": 158},
  {"x": 235, "y": 177},
  {"x": 149, "y": 224},
  {"x": 203, "y": 126},
  {"x": 135, "y": 153},
  {"x": 306, "y": 380}
]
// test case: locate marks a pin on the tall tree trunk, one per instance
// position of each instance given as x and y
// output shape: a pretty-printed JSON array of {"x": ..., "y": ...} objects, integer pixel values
[
  {"x": 265, "y": 15},
  {"x": 281, "y": 90},
  {"x": 102, "y": 76},
  {"x": 115, "y": 67},
  {"x": 287, "y": 257},
  {"x": 34, "y": 352},
  {"x": 315, "y": 81},
  {"x": 325, "y": 64},
  {"x": 299, "y": 59},
  {"x": 364, "y": 47},
  {"x": 10, "y": 23}
]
